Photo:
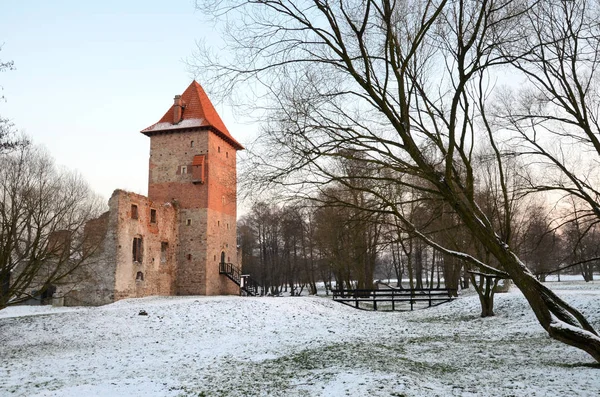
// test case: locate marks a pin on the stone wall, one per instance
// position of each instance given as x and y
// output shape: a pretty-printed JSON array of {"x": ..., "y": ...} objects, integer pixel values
[
  {"x": 111, "y": 272},
  {"x": 94, "y": 281},
  {"x": 152, "y": 272}
]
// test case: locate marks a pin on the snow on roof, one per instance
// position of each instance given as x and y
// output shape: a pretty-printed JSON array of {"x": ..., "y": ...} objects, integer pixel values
[
  {"x": 189, "y": 123},
  {"x": 197, "y": 111}
]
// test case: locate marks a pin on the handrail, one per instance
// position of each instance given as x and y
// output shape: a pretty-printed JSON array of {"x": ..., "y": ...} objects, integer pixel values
[{"x": 250, "y": 286}]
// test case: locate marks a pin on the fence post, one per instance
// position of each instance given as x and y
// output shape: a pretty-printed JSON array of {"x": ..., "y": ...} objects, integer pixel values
[{"x": 374, "y": 301}]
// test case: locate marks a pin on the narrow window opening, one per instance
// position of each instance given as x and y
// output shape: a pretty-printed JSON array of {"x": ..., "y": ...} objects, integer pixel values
[
  {"x": 226, "y": 155},
  {"x": 215, "y": 258},
  {"x": 163, "y": 252},
  {"x": 192, "y": 144},
  {"x": 189, "y": 256},
  {"x": 152, "y": 216},
  {"x": 188, "y": 222},
  {"x": 183, "y": 169},
  {"x": 219, "y": 149},
  {"x": 134, "y": 211},
  {"x": 137, "y": 249},
  {"x": 223, "y": 257},
  {"x": 139, "y": 276},
  {"x": 218, "y": 223}
]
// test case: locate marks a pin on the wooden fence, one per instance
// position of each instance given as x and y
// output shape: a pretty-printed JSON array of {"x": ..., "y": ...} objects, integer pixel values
[{"x": 393, "y": 298}]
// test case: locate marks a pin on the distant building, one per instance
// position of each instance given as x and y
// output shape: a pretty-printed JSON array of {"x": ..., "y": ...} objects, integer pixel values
[{"x": 173, "y": 241}]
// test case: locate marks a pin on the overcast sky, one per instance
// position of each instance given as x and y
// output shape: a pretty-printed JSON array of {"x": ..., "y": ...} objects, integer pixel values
[{"x": 91, "y": 75}]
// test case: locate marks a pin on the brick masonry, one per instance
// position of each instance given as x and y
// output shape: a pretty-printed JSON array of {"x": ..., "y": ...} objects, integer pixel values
[{"x": 192, "y": 193}]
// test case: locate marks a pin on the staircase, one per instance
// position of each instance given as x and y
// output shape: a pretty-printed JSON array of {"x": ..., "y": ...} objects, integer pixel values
[{"x": 247, "y": 284}]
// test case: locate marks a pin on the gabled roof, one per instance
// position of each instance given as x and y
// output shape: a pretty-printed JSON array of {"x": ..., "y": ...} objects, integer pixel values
[{"x": 197, "y": 112}]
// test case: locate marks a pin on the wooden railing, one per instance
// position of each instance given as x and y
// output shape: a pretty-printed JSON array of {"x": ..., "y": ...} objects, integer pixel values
[
  {"x": 393, "y": 298},
  {"x": 246, "y": 283}
]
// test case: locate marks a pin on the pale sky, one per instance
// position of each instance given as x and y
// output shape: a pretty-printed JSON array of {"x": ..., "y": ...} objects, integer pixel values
[{"x": 91, "y": 75}]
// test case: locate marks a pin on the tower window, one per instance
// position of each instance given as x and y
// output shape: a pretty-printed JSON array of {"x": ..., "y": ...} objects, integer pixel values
[
  {"x": 183, "y": 169},
  {"x": 192, "y": 144},
  {"x": 152, "y": 216},
  {"x": 139, "y": 276},
  {"x": 163, "y": 252},
  {"x": 226, "y": 155},
  {"x": 219, "y": 223},
  {"x": 189, "y": 256},
  {"x": 134, "y": 211},
  {"x": 137, "y": 249},
  {"x": 219, "y": 149},
  {"x": 188, "y": 222}
]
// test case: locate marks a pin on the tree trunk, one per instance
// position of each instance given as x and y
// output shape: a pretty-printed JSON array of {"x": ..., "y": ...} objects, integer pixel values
[
  {"x": 451, "y": 273},
  {"x": 4, "y": 288},
  {"x": 485, "y": 290},
  {"x": 559, "y": 319},
  {"x": 419, "y": 266}
]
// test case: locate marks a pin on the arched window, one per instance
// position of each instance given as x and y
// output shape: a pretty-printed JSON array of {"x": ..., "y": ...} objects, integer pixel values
[{"x": 223, "y": 257}]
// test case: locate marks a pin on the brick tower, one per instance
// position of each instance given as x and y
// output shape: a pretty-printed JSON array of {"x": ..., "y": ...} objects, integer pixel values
[{"x": 193, "y": 165}]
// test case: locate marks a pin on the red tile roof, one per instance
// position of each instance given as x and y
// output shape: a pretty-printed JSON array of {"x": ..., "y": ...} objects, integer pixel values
[{"x": 198, "y": 111}]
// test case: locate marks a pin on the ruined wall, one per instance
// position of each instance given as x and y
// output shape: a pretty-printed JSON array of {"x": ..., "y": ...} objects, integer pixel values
[
  {"x": 149, "y": 268},
  {"x": 94, "y": 281}
]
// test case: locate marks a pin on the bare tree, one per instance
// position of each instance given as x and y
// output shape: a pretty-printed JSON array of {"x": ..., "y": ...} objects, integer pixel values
[
  {"x": 580, "y": 237},
  {"x": 556, "y": 117},
  {"x": 8, "y": 139},
  {"x": 406, "y": 85},
  {"x": 541, "y": 244},
  {"x": 43, "y": 212}
]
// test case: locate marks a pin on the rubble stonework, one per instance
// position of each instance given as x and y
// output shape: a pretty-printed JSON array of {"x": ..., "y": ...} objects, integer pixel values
[{"x": 171, "y": 242}]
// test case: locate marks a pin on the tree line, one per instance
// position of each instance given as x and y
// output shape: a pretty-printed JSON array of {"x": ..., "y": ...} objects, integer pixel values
[{"x": 289, "y": 246}]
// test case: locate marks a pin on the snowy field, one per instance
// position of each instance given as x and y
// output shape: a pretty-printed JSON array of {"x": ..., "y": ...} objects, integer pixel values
[{"x": 293, "y": 346}]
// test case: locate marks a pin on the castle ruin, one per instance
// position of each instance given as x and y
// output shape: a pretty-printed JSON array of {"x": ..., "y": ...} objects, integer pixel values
[{"x": 173, "y": 241}]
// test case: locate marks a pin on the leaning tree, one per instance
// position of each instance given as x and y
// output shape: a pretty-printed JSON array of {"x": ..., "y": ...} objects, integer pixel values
[{"x": 408, "y": 84}]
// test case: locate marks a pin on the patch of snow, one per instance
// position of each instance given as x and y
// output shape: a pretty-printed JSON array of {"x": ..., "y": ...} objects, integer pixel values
[
  {"x": 188, "y": 123},
  {"x": 291, "y": 346}
]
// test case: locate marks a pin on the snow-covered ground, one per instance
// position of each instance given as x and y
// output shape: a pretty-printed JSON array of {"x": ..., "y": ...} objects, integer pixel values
[{"x": 293, "y": 346}]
